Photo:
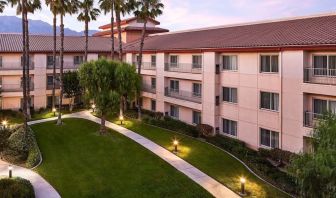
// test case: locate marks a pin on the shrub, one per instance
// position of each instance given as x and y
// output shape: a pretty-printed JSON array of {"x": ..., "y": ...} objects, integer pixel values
[
  {"x": 277, "y": 155},
  {"x": 16, "y": 187},
  {"x": 205, "y": 130}
]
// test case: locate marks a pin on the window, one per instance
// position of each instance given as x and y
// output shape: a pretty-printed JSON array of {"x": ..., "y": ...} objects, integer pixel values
[
  {"x": 30, "y": 102},
  {"x": 30, "y": 82},
  {"x": 50, "y": 61},
  {"x": 230, "y": 127},
  {"x": 153, "y": 105},
  {"x": 269, "y": 138},
  {"x": 324, "y": 65},
  {"x": 196, "y": 61},
  {"x": 174, "y": 111},
  {"x": 230, "y": 63},
  {"x": 197, "y": 89},
  {"x": 230, "y": 94},
  {"x": 153, "y": 83},
  {"x": 153, "y": 61},
  {"x": 269, "y": 101},
  {"x": 30, "y": 61},
  {"x": 137, "y": 58},
  {"x": 173, "y": 60},
  {"x": 78, "y": 60},
  {"x": 269, "y": 63},
  {"x": 323, "y": 106},
  {"x": 196, "y": 119},
  {"x": 49, "y": 101},
  {"x": 174, "y": 85},
  {"x": 0, "y": 61},
  {"x": 50, "y": 81}
]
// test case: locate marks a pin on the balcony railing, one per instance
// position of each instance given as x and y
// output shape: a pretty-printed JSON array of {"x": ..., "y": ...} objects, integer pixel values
[
  {"x": 320, "y": 76},
  {"x": 14, "y": 66},
  {"x": 146, "y": 65},
  {"x": 66, "y": 65},
  {"x": 148, "y": 88},
  {"x": 14, "y": 87},
  {"x": 311, "y": 119},
  {"x": 183, "y": 68},
  {"x": 183, "y": 95},
  {"x": 49, "y": 87}
]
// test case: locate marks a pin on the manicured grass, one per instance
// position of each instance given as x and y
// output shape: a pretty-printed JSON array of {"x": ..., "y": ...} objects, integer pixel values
[
  {"x": 80, "y": 163},
  {"x": 209, "y": 159}
]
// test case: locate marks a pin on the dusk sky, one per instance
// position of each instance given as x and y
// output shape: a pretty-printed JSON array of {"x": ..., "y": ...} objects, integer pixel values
[{"x": 187, "y": 14}]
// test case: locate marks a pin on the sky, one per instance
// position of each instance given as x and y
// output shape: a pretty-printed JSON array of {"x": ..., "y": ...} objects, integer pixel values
[{"x": 189, "y": 14}]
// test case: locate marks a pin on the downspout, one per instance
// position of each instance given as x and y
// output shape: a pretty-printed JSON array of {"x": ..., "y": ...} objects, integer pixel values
[{"x": 281, "y": 101}]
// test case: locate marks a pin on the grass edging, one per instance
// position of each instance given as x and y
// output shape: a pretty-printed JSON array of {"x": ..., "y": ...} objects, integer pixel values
[{"x": 243, "y": 163}]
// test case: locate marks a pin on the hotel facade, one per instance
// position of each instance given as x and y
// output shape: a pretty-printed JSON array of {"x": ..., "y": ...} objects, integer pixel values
[{"x": 264, "y": 83}]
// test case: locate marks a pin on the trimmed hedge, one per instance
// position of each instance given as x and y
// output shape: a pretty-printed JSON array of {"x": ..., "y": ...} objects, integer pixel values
[
  {"x": 256, "y": 160},
  {"x": 16, "y": 188}
]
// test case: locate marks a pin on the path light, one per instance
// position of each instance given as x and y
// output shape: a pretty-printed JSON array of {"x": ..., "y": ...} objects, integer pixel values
[
  {"x": 10, "y": 169},
  {"x": 242, "y": 184},
  {"x": 121, "y": 118},
  {"x": 93, "y": 106},
  {"x": 175, "y": 143},
  {"x": 4, "y": 123},
  {"x": 54, "y": 111}
]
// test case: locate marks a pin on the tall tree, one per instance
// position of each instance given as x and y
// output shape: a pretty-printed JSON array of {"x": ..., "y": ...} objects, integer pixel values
[
  {"x": 128, "y": 83},
  {"x": 53, "y": 8},
  {"x": 108, "y": 6},
  {"x": 97, "y": 79},
  {"x": 87, "y": 13},
  {"x": 2, "y": 5},
  {"x": 145, "y": 10},
  {"x": 71, "y": 86},
  {"x": 65, "y": 7},
  {"x": 315, "y": 171},
  {"x": 122, "y": 7}
]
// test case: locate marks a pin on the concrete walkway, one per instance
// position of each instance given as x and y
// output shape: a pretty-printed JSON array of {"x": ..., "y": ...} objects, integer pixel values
[
  {"x": 215, "y": 188},
  {"x": 41, "y": 187}
]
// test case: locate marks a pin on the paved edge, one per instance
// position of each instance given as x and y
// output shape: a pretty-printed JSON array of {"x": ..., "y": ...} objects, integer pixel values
[{"x": 211, "y": 185}]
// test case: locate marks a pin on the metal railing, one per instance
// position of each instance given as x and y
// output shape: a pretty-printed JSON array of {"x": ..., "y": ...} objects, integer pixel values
[
  {"x": 14, "y": 87},
  {"x": 66, "y": 65},
  {"x": 183, "y": 68},
  {"x": 14, "y": 66},
  {"x": 183, "y": 95},
  {"x": 57, "y": 86},
  {"x": 146, "y": 65},
  {"x": 148, "y": 88},
  {"x": 320, "y": 76},
  {"x": 311, "y": 119}
]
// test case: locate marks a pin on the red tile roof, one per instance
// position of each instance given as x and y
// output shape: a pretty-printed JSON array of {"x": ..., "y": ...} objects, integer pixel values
[
  {"x": 126, "y": 21},
  {"x": 132, "y": 28},
  {"x": 313, "y": 31},
  {"x": 43, "y": 43}
]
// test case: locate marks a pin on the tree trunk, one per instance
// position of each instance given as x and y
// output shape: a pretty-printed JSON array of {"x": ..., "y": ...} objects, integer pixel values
[
  {"x": 28, "y": 99},
  {"x": 86, "y": 40},
  {"x": 59, "y": 120},
  {"x": 121, "y": 109},
  {"x": 112, "y": 29},
  {"x": 140, "y": 61},
  {"x": 54, "y": 63},
  {"x": 24, "y": 63},
  {"x": 71, "y": 104},
  {"x": 102, "y": 124},
  {"x": 119, "y": 34}
]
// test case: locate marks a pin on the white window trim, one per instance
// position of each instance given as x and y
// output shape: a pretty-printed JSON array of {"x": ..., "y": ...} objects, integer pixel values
[
  {"x": 269, "y": 54},
  {"x": 222, "y": 64},
  {"x": 269, "y": 147},
  {"x": 269, "y": 110}
]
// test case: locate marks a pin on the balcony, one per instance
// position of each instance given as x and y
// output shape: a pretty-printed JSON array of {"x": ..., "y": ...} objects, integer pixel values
[
  {"x": 14, "y": 87},
  {"x": 49, "y": 87},
  {"x": 310, "y": 119},
  {"x": 183, "y": 95},
  {"x": 320, "y": 76},
  {"x": 6, "y": 66},
  {"x": 183, "y": 68},
  {"x": 148, "y": 88},
  {"x": 146, "y": 65},
  {"x": 66, "y": 65}
]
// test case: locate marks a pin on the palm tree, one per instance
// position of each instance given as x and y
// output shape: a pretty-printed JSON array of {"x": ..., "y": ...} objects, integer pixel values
[
  {"x": 145, "y": 10},
  {"x": 108, "y": 6},
  {"x": 53, "y": 9},
  {"x": 122, "y": 7},
  {"x": 64, "y": 7},
  {"x": 87, "y": 14},
  {"x": 2, "y": 5}
]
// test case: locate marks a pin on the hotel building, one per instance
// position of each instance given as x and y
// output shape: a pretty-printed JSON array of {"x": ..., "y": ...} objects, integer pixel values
[{"x": 264, "y": 83}]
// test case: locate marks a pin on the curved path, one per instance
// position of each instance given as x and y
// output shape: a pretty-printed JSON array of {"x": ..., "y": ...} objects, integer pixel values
[{"x": 41, "y": 187}]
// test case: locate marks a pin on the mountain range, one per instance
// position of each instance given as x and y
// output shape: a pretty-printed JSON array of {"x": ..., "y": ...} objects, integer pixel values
[{"x": 13, "y": 24}]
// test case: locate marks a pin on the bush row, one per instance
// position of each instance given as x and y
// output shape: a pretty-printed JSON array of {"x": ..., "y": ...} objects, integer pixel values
[
  {"x": 16, "y": 188},
  {"x": 256, "y": 160}
]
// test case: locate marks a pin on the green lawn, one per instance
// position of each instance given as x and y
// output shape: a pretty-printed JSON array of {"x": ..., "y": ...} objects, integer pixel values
[
  {"x": 209, "y": 159},
  {"x": 80, "y": 163}
]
